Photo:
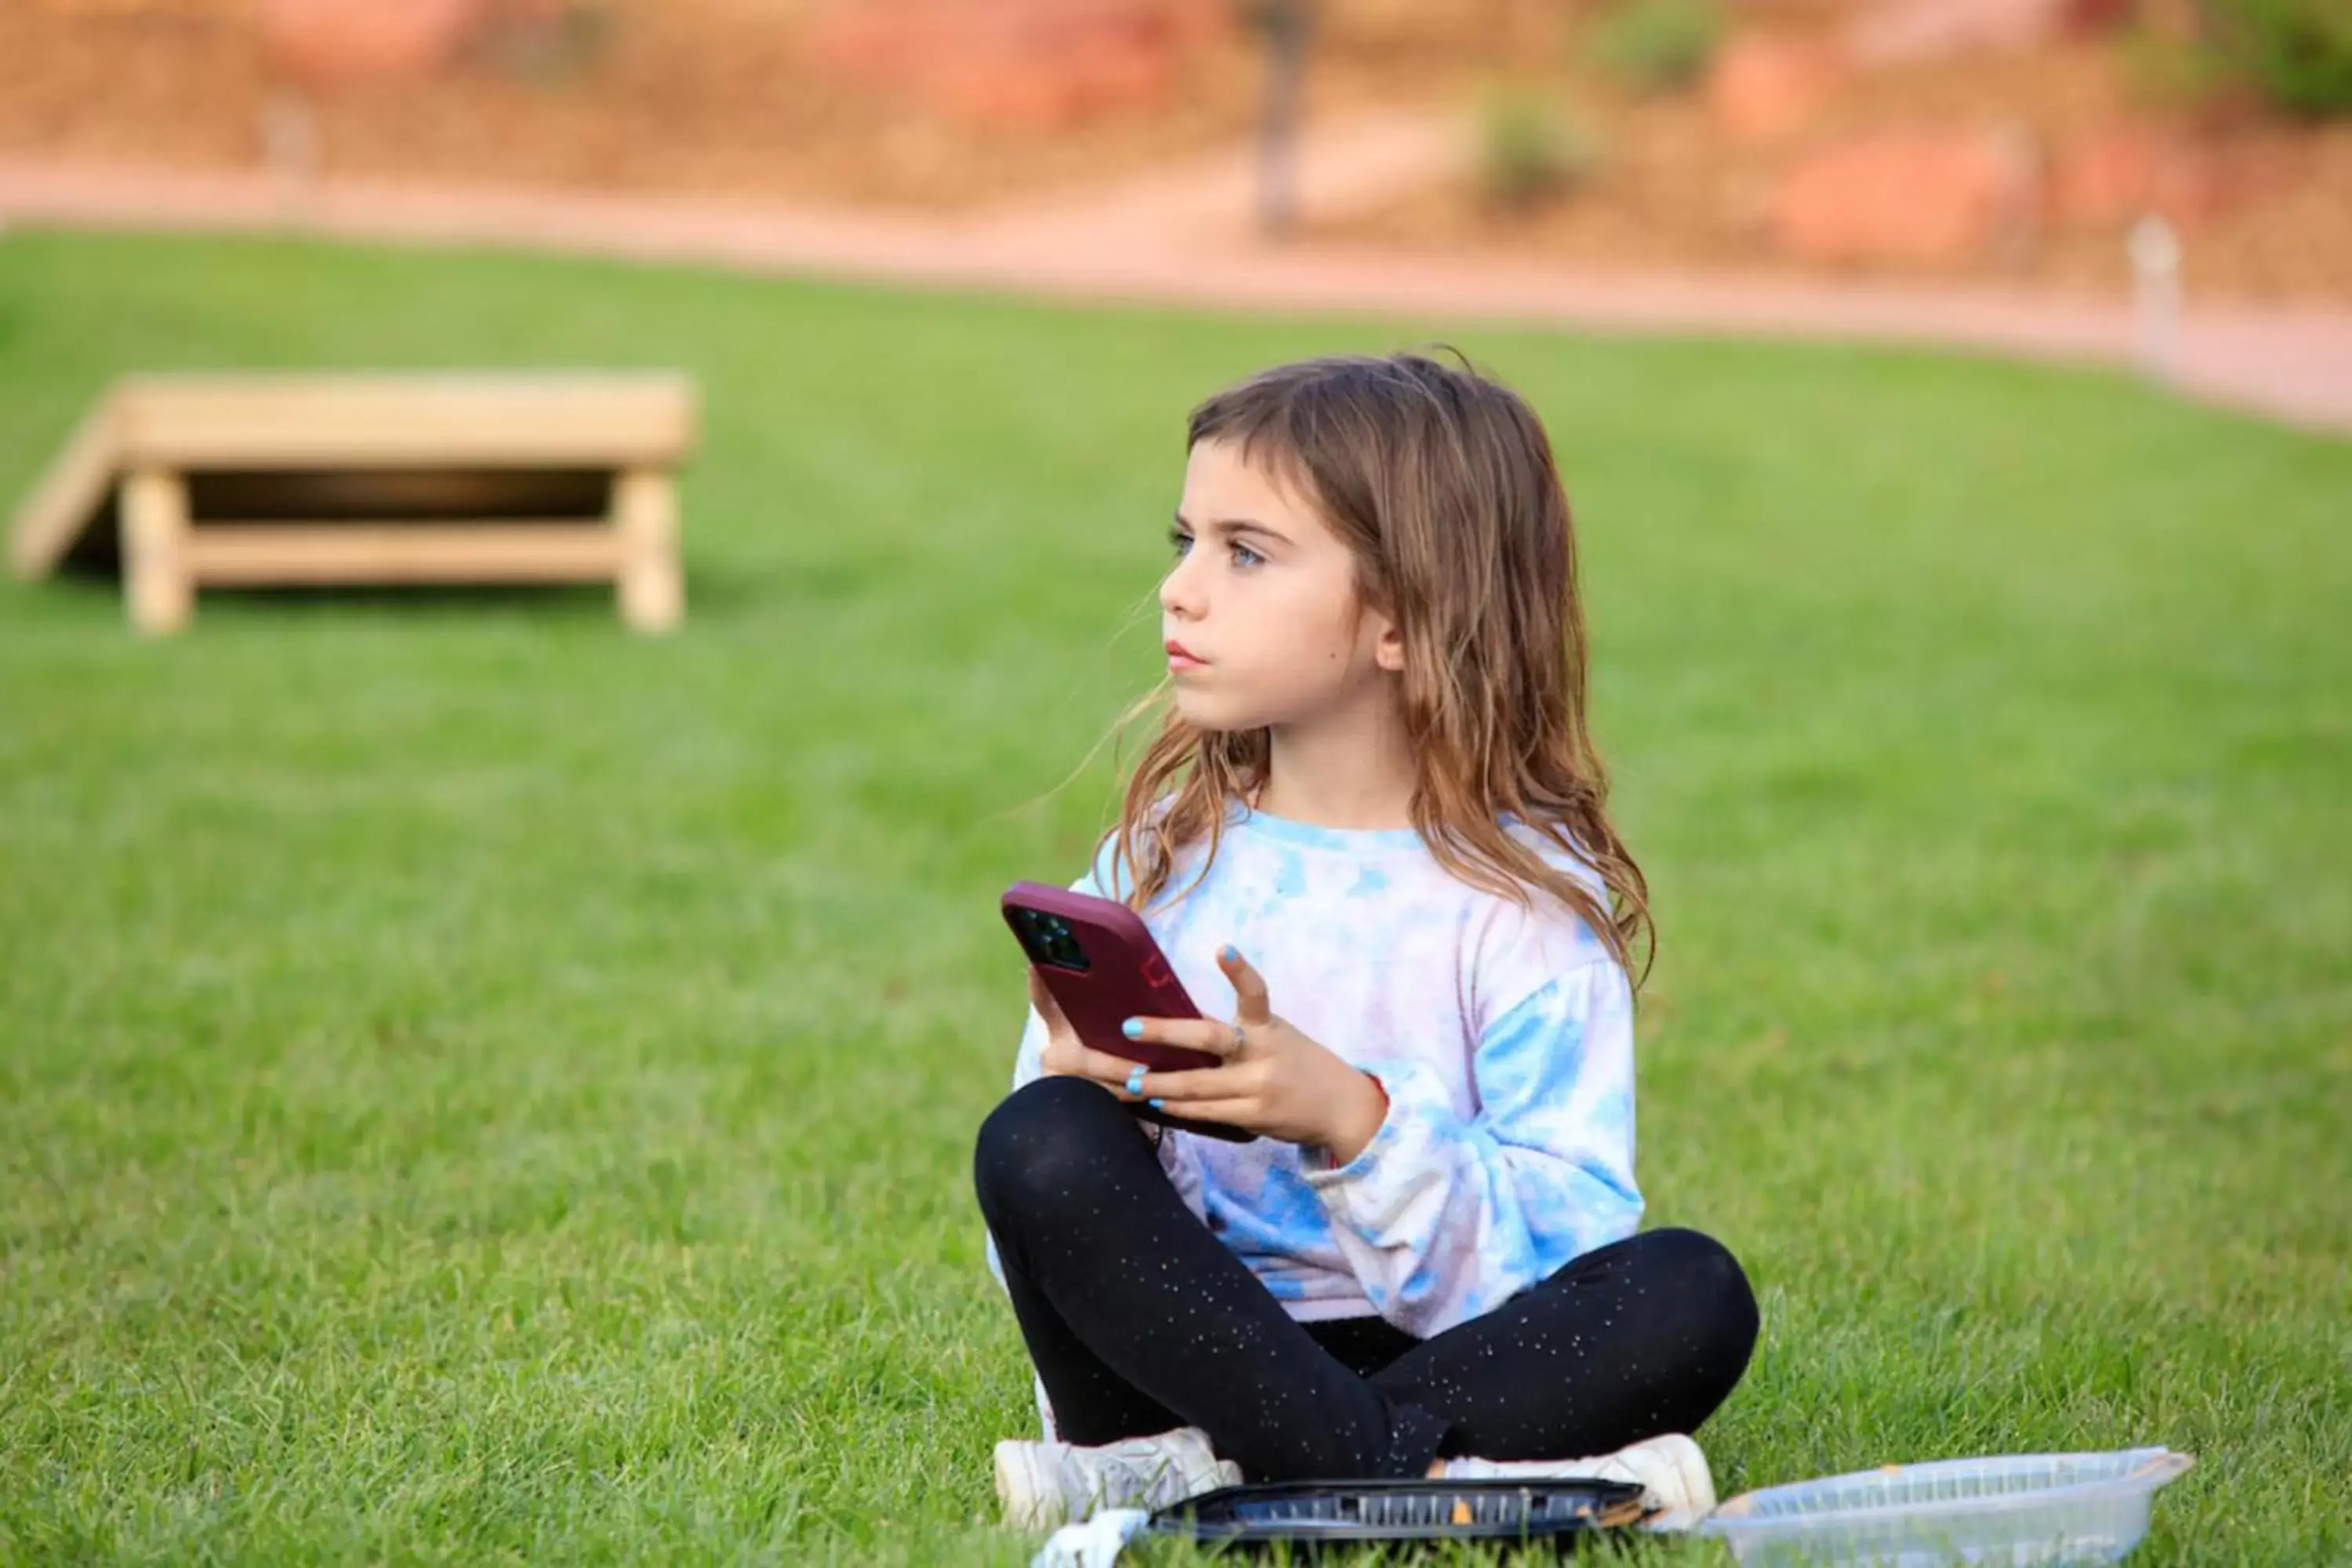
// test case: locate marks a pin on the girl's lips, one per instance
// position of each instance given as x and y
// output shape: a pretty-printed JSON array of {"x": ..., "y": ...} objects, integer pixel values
[{"x": 1182, "y": 657}]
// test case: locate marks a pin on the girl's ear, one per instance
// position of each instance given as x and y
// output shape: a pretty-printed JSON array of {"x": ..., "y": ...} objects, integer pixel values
[{"x": 1389, "y": 650}]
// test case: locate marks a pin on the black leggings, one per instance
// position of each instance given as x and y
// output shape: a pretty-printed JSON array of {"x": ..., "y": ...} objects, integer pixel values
[{"x": 1140, "y": 1319}]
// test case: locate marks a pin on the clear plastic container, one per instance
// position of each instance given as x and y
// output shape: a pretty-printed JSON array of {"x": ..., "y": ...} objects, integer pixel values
[{"x": 2015, "y": 1509}]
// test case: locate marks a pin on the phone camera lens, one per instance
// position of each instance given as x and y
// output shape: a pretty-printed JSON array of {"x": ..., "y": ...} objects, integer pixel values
[{"x": 1049, "y": 939}]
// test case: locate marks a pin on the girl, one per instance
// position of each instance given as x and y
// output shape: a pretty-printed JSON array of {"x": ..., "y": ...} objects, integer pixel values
[{"x": 1374, "y": 818}]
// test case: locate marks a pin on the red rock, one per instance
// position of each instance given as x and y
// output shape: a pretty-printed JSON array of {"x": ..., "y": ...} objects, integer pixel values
[
  {"x": 1115, "y": 72},
  {"x": 858, "y": 38},
  {"x": 1024, "y": 64},
  {"x": 1763, "y": 88},
  {"x": 1928, "y": 29},
  {"x": 1919, "y": 196},
  {"x": 2115, "y": 174},
  {"x": 994, "y": 94},
  {"x": 329, "y": 42},
  {"x": 2099, "y": 16}
]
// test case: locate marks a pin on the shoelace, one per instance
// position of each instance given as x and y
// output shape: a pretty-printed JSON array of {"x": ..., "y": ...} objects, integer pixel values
[{"x": 1143, "y": 1474}]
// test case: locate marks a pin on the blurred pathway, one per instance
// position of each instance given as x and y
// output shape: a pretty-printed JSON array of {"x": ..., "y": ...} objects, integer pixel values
[{"x": 1184, "y": 236}]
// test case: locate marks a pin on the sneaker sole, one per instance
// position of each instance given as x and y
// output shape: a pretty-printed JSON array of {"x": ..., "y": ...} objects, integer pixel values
[{"x": 1694, "y": 1481}]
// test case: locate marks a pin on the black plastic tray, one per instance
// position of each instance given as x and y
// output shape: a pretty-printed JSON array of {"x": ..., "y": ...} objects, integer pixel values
[{"x": 1309, "y": 1514}]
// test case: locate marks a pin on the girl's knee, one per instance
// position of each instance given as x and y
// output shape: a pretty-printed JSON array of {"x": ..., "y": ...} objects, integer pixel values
[
  {"x": 1042, "y": 1143},
  {"x": 1701, "y": 1273}
]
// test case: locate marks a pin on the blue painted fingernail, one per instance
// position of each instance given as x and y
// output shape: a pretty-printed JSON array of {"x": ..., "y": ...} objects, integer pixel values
[
  {"x": 1135, "y": 1081},
  {"x": 1156, "y": 1104},
  {"x": 1132, "y": 1028},
  {"x": 1231, "y": 951}
]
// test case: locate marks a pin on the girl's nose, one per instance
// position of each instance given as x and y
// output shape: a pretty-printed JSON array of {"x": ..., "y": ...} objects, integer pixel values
[{"x": 1179, "y": 591}]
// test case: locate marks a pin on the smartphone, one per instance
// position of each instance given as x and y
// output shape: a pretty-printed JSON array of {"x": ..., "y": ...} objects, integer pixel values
[{"x": 1100, "y": 960}]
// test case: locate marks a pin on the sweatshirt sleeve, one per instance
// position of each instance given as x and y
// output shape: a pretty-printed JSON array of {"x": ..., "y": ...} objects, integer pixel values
[{"x": 1444, "y": 1216}]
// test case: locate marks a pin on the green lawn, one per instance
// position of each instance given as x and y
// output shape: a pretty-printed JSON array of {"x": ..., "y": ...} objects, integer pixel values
[{"x": 478, "y": 1085}]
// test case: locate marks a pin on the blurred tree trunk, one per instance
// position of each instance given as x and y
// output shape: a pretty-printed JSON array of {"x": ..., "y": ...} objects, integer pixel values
[{"x": 1288, "y": 26}]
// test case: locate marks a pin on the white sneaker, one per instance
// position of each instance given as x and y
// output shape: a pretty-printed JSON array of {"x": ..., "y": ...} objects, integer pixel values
[
  {"x": 1670, "y": 1469},
  {"x": 1046, "y": 1485}
]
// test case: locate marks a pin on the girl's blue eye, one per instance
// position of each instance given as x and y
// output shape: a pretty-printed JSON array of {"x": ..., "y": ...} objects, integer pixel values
[{"x": 1242, "y": 555}]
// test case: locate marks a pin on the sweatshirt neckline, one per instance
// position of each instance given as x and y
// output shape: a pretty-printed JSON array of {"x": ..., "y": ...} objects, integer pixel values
[{"x": 1312, "y": 835}]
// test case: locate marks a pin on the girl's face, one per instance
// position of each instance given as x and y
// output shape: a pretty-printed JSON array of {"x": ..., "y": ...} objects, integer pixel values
[{"x": 1260, "y": 614}]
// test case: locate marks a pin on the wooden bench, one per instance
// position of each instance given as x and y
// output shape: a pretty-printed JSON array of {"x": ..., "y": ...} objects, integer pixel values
[{"x": 189, "y": 482}]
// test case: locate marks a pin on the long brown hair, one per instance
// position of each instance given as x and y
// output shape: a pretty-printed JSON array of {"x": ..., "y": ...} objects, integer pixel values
[{"x": 1441, "y": 483}]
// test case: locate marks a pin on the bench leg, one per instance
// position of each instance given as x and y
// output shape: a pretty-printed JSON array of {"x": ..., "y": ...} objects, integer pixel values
[
  {"x": 158, "y": 589},
  {"x": 645, "y": 514}
]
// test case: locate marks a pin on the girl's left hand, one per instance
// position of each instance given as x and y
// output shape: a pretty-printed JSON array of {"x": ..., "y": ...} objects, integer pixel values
[{"x": 1272, "y": 1079}]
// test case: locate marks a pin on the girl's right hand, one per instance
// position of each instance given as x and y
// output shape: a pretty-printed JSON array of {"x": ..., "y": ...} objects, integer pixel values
[{"x": 1064, "y": 1057}]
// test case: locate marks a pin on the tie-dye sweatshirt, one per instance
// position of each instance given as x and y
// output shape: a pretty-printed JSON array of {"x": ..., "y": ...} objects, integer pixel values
[{"x": 1502, "y": 1034}]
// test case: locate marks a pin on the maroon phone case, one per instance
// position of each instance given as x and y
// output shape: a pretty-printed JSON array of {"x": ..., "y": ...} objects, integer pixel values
[{"x": 1126, "y": 976}]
